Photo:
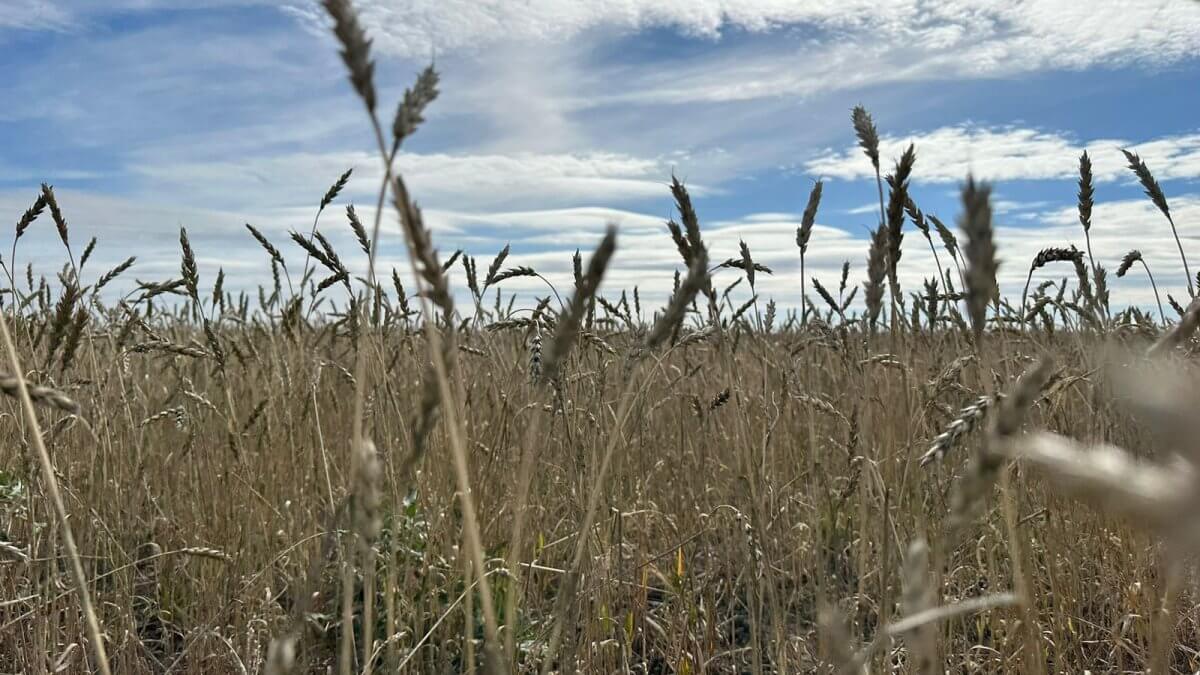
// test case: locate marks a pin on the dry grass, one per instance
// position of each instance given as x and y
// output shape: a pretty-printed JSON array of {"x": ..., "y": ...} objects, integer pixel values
[{"x": 405, "y": 484}]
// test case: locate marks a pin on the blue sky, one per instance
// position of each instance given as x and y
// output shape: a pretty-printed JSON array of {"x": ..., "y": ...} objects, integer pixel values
[{"x": 558, "y": 116}]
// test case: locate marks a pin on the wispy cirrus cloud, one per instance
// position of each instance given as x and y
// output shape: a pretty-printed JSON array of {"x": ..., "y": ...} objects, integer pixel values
[
  {"x": 1047, "y": 31},
  {"x": 836, "y": 45}
]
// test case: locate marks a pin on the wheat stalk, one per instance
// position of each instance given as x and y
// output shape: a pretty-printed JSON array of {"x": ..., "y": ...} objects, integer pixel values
[{"x": 1155, "y": 193}]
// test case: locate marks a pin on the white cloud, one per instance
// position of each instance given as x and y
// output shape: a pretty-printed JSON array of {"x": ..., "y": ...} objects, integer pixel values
[
  {"x": 769, "y": 217},
  {"x": 1065, "y": 33},
  {"x": 33, "y": 176},
  {"x": 646, "y": 257},
  {"x": 419, "y": 27},
  {"x": 48, "y": 15},
  {"x": 441, "y": 180},
  {"x": 32, "y": 14},
  {"x": 1006, "y": 206},
  {"x": 545, "y": 177},
  {"x": 948, "y": 154},
  {"x": 1112, "y": 223},
  {"x": 574, "y": 226},
  {"x": 848, "y": 44},
  {"x": 142, "y": 228}
]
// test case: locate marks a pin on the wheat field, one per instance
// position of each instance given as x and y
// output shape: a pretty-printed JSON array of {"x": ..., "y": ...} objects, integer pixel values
[{"x": 385, "y": 473}]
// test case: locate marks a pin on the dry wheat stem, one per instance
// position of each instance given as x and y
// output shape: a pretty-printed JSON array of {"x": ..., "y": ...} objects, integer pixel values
[
  {"x": 516, "y": 540},
  {"x": 95, "y": 635},
  {"x": 452, "y": 420},
  {"x": 451, "y": 417},
  {"x": 566, "y": 593}
]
